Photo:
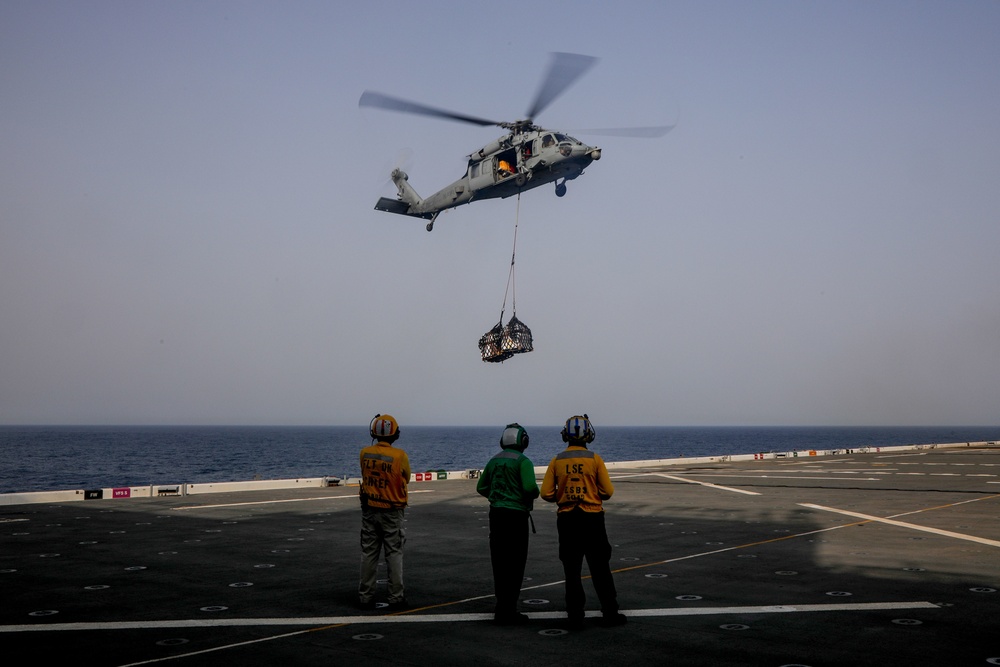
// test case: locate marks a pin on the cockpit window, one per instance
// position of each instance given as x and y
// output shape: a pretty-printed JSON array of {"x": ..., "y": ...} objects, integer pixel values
[{"x": 548, "y": 140}]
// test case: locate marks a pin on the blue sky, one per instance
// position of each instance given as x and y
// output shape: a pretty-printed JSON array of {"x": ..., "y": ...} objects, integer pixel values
[{"x": 187, "y": 232}]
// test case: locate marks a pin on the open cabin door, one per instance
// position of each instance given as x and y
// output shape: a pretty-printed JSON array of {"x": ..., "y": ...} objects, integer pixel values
[{"x": 505, "y": 165}]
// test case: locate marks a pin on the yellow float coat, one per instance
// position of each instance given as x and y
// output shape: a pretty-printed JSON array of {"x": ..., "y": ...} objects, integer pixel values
[
  {"x": 385, "y": 472},
  {"x": 577, "y": 477}
]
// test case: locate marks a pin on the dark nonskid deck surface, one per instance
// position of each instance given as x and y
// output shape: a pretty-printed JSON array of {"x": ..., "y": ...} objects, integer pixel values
[{"x": 886, "y": 558}]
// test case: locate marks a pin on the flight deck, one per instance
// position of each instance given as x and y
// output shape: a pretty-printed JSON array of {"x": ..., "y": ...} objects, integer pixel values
[{"x": 876, "y": 558}]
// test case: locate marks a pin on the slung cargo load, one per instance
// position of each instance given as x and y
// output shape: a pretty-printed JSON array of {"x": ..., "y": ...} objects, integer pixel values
[{"x": 502, "y": 342}]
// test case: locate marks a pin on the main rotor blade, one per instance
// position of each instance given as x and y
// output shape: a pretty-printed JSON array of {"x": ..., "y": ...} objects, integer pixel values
[
  {"x": 642, "y": 132},
  {"x": 373, "y": 99},
  {"x": 564, "y": 70}
]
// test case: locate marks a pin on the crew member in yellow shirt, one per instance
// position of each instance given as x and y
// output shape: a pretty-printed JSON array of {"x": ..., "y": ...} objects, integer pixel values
[
  {"x": 578, "y": 482},
  {"x": 385, "y": 472}
]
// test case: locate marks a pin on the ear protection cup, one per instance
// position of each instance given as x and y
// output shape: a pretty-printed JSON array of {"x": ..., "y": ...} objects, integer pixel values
[{"x": 514, "y": 436}]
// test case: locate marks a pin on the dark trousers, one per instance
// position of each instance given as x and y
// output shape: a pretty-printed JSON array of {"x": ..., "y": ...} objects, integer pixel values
[
  {"x": 582, "y": 535},
  {"x": 508, "y": 553}
]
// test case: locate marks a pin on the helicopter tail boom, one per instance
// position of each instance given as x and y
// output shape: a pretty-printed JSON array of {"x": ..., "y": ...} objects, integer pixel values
[{"x": 408, "y": 201}]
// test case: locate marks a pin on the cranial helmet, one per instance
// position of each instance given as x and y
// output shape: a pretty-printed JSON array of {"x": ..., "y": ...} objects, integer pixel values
[
  {"x": 514, "y": 436},
  {"x": 385, "y": 428},
  {"x": 579, "y": 430}
]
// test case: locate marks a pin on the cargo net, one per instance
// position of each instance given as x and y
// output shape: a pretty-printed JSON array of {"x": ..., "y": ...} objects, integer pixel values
[{"x": 502, "y": 342}]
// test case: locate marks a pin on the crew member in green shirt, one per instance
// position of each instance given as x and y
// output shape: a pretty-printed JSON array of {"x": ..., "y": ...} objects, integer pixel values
[{"x": 508, "y": 481}]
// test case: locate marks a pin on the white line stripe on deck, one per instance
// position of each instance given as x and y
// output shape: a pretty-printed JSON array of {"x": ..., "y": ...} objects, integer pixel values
[
  {"x": 275, "y": 502},
  {"x": 709, "y": 484},
  {"x": 450, "y": 618},
  {"x": 901, "y": 524},
  {"x": 818, "y": 479},
  {"x": 685, "y": 480}
]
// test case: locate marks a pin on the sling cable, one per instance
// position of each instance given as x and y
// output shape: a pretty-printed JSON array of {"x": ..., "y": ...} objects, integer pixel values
[{"x": 503, "y": 342}]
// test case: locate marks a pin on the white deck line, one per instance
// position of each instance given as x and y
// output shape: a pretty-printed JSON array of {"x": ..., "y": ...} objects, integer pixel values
[
  {"x": 902, "y": 524},
  {"x": 449, "y": 618},
  {"x": 695, "y": 481}
]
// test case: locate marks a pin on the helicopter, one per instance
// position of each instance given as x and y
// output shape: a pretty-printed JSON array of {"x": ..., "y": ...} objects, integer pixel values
[{"x": 526, "y": 158}]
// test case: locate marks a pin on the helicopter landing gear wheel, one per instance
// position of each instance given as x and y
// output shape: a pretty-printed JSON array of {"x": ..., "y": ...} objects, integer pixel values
[
  {"x": 430, "y": 226},
  {"x": 560, "y": 189},
  {"x": 521, "y": 180}
]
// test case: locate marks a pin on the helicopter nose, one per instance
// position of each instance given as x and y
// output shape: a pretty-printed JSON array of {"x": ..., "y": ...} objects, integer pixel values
[{"x": 595, "y": 154}]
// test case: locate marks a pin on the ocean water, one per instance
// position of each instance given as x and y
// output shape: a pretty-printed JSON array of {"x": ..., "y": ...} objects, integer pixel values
[{"x": 43, "y": 458}]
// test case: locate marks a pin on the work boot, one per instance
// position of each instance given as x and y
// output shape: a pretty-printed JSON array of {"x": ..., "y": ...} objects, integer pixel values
[
  {"x": 611, "y": 620},
  {"x": 398, "y": 605}
]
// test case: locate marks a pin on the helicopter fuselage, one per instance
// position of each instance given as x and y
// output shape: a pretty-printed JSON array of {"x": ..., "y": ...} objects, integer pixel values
[{"x": 520, "y": 161}]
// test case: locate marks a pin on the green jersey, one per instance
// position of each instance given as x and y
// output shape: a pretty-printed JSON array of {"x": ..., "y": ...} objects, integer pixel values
[{"x": 509, "y": 481}]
